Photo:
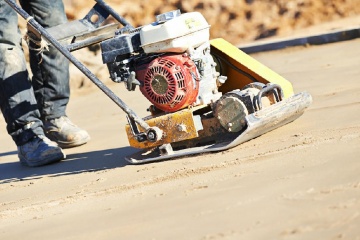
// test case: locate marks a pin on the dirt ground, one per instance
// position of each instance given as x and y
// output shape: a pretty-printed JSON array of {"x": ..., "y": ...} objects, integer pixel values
[{"x": 300, "y": 181}]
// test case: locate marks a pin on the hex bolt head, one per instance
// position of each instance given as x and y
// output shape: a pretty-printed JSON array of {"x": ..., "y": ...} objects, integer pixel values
[
  {"x": 151, "y": 136},
  {"x": 154, "y": 134}
]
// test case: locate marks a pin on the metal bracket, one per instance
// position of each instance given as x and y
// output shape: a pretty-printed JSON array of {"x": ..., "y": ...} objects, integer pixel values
[
  {"x": 96, "y": 16},
  {"x": 140, "y": 136},
  {"x": 270, "y": 87}
]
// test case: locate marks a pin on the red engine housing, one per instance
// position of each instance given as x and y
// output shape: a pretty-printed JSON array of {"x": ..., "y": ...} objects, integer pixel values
[{"x": 169, "y": 82}]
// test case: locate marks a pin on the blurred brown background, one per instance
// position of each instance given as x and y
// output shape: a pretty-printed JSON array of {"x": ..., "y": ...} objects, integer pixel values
[{"x": 235, "y": 20}]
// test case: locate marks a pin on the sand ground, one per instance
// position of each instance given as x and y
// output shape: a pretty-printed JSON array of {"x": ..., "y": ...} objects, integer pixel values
[{"x": 297, "y": 182}]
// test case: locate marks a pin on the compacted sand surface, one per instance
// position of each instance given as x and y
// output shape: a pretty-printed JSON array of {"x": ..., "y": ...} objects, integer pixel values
[{"x": 300, "y": 181}]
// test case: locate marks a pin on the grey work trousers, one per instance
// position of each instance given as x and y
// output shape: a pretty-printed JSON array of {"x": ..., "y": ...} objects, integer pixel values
[{"x": 24, "y": 102}]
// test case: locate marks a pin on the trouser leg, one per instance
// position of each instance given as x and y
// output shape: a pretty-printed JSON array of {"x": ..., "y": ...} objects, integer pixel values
[
  {"x": 17, "y": 100},
  {"x": 50, "y": 69}
]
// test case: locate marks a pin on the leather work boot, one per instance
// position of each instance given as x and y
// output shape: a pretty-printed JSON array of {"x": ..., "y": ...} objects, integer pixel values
[
  {"x": 39, "y": 151},
  {"x": 66, "y": 134}
]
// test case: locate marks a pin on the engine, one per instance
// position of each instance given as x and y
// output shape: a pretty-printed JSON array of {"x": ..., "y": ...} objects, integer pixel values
[
  {"x": 169, "y": 60},
  {"x": 170, "y": 82}
]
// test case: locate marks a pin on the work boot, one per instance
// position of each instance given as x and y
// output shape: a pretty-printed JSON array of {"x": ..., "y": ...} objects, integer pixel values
[
  {"x": 39, "y": 151},
  {"x": 66, "y": 134}
]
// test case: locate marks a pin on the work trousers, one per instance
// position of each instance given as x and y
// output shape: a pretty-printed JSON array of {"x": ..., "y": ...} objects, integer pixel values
[{"x": 24, "y": 102}]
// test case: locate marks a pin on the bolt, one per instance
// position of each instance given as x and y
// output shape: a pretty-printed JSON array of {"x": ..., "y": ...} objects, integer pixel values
[
  {"x": 230, "y": 125},
  {"x": 151, "y": 136}
]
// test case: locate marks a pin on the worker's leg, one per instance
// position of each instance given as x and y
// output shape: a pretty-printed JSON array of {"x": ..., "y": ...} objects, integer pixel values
[
  {"x": 50, "y": 68},
  {"x": 51, "y": 78},
  {"x": 17, "y": 100}
]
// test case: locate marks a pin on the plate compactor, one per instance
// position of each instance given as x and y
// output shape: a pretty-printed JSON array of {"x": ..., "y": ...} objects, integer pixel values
[{"x": 205, "y": 95}]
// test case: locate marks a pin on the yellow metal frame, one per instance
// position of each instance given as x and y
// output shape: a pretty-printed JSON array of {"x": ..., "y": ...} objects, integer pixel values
[
  {"x": 176, "y": 127},
  {"x": 241, "y": 60}
]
